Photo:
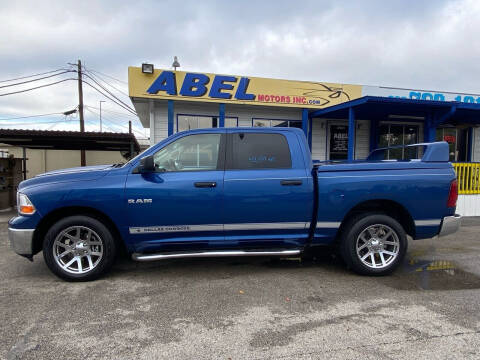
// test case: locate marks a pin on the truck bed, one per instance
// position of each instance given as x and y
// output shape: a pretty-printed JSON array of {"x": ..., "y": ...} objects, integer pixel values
[{"x": 401, "y": 186}]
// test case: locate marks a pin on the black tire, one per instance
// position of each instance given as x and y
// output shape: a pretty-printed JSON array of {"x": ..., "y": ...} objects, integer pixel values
[
  {"x": 85, "y": 223},
  {"x": 348, "y": 244}
]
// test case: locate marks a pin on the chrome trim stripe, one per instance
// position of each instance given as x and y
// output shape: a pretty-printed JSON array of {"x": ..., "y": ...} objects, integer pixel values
[
  {"x": 281, "y": 178},
  {"x": 175, "y": 228},
  {"x": 429, "y": 222},
  {"x": 328, "y": 224},
  {"x": 378, "y": 175},
  {"x": 218, "y": 227},
  {"x": 152, "y": 257},
  {"x": 266, "y": 226}
]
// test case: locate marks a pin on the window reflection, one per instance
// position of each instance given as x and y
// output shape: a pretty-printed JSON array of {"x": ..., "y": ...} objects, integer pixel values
[
  {"x": 398, "y": 135},
  {"x": 257, "y": 122}
]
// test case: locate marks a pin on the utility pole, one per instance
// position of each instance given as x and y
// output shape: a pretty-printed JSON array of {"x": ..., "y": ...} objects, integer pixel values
[
  {"x": 80, "y": 110},
  {"x": 131, "y": 142}
]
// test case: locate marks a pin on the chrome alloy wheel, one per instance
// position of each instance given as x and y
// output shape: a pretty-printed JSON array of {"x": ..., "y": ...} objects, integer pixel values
[
  {"x": 378, "y": 246},
  {"x": 78, "y": 249}
]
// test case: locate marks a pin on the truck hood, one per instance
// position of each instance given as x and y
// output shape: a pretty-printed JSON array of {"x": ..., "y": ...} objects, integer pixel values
[{"x": 85, "y": 173}]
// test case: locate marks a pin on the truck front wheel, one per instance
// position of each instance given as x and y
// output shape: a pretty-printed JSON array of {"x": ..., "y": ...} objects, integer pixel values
[
  {"x": 79, "y": 248},
  {"x": 373, "y": 244}
]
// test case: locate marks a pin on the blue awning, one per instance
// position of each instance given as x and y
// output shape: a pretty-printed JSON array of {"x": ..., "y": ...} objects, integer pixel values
[{"x": 381, "y": 108}]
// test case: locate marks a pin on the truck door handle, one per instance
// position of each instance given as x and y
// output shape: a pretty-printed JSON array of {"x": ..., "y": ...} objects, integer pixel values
[
  {"x": 291, "y": 182},
  {"x": 206, "y": 184}
]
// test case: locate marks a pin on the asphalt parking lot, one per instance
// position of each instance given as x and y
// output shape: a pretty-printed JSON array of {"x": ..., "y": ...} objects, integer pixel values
[{"x": 248, "y": 308}]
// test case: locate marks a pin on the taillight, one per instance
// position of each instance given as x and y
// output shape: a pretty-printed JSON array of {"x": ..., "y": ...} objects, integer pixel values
[{"x": 453, "y": 194}]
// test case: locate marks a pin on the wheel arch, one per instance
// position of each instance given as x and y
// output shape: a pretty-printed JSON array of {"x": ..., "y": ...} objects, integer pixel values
[
  {"x": 383, "y": 206},
  {"x": 63, "y": 212}
]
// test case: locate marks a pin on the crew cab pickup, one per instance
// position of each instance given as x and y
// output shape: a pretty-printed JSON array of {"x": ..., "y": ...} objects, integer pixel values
[{"x": 235, "y": 192}]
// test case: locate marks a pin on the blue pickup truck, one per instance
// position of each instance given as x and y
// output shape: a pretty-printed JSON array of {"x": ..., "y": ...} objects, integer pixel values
[{"x": 235, "y": 192}]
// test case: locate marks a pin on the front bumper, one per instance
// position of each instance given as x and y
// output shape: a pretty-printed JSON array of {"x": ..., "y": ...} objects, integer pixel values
[
  {"x": 450, "y": 224},
  {"x": 21, "y": 240}
]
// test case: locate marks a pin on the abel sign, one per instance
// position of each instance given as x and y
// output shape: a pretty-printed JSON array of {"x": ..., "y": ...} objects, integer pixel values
[{"x": 194, "y": 86}]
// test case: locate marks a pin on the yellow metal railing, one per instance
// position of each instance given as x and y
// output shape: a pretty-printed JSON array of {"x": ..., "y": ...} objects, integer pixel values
[{"x": 468, "y": 177}]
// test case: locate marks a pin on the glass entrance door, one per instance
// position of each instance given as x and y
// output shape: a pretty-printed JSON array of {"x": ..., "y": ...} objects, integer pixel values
[
  {"x": 398, "y": 134},
  {"x": 338, "y": 142}
]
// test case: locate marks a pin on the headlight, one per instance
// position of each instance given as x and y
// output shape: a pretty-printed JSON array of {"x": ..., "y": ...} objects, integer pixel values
[{"x": 25, "y": 206}]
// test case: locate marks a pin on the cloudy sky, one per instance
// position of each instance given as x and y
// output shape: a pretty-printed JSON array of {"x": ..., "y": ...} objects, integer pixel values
[{"x": 413, "y": 44}]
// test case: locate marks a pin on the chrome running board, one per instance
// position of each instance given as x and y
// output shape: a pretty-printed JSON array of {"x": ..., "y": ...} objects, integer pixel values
[{"x": 177, "y": 255}]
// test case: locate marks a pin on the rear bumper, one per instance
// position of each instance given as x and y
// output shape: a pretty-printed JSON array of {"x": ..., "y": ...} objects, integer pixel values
[
  {"x": 21, "y": 241},
  {"x": 450, "y": 225}
]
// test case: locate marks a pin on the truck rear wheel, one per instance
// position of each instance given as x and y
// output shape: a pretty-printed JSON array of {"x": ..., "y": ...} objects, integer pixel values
[
  {"x": 79, "y": 248},
  {"x": 373, "y": 244}
]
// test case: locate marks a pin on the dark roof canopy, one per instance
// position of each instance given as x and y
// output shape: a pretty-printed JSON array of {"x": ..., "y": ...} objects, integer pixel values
[
  {"x": 69, "y": 140},
  {"x": 378, "y": 108}
]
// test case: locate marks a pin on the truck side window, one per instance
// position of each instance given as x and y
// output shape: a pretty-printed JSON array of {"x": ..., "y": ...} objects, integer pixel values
[
  {"x": 190, "y": 153},
  {"x": 259, "y": 151}
]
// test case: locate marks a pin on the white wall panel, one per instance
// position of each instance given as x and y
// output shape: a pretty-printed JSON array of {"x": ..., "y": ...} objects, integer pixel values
[
  {"x": 468, "y": 205},
  {"x": 362, "y": 139},
  {"x": 161, "y": 121},
  {"x": 319, "y": 135}
]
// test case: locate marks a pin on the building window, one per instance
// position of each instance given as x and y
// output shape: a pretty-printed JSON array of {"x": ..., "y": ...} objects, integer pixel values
[
  {"x": 457, "y": 140},
  {"x": 398, "y": 134},
  {"x": 261, "y": 122},
  {"x": 190, "y": 122}
]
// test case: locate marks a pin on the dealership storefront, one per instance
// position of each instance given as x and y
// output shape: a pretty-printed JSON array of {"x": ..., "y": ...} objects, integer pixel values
[
  {"x": 172, "y": 101},
  {"x": 341, "y": 121}
]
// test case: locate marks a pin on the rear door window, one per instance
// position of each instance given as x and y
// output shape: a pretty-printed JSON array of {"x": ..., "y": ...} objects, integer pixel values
[{"x": 250, "y": 151}]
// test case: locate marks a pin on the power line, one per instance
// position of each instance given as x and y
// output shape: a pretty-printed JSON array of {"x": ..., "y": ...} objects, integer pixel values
[
  {"x": 112, "y": 121},
  {"x": 39, "y": 123},
  {"x": 106, "y": 82},
  {"x": 37, "y": 87},
  {"x": 104, "y": 118},
  {"x": 111, "y": 77},
  {"x": 126, "y": 127},
  {"x": 30, "y": 116},
  {"x": 29, "y": 81},
  {"x": 109, "y": 92},
  {"x": 108, "y": 97},
  {"x": 29, "y": 76},
  {"x": 119, "y": 104},
  {"x": 114, "y": 112}
]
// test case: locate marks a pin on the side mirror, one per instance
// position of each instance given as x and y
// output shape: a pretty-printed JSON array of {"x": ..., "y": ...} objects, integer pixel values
[{"x": 146, "y": 165}]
